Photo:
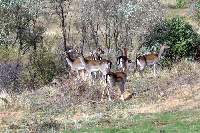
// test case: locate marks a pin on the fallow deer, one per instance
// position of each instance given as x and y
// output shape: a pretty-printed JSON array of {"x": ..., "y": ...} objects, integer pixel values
[
  {"x": 113, "y": 79},
  {"x": 95, "y": 55},
  {"x": 118, "y": 78},
  {"x": 123, "y": 60},
  {"x": 95, "y": 65},
  {"x": 126, "y": 64},
  {"x": 75, "y": 64},
  {"x": 150, "y": 59}
]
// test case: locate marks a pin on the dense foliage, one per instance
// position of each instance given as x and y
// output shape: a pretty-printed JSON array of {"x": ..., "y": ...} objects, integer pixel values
[
  {"x": 180, "y": 3},
  {"x": 176, "y": 33}
]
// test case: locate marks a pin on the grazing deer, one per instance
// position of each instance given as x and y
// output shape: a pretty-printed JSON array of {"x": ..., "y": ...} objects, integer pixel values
[
  {"x": 95, "y": 65},
  {"x": 113, "y": 79},
  {"x": 150, "y": 59},
  {"x": 75, "y": 64}
]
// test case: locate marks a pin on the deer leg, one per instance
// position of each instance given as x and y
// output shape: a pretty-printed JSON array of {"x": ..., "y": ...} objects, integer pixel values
[
  {"x": 78, "y": 76},
  {"x": 105, "y": 86},
  {"x": 89, "y": 76},
  {"x": 102, "y": 80},
  {"x": 122, "y": 91},
  {"x": 108, "y": 89},
  {"x": 141, "y": 73},
  {"x": 82, "y": 74},
  {"x": 141, "y": 69},
  {"x": 154, "y": 69},
  {"x": 102, "y": 94}
]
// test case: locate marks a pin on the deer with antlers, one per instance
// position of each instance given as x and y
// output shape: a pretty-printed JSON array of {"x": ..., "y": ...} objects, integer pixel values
[{"x": 150, "y": 59}]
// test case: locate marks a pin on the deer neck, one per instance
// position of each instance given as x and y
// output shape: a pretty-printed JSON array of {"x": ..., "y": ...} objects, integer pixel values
[
  {"x": 82, "y": 60},
  {"x": 125, "y": 52},
  {"x": 160, "y": 52},
  {"x": 69, "y": 60}
]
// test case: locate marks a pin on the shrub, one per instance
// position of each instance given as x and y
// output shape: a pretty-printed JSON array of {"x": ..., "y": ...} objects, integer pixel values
[
  {"x": 10, "y": 69},
  {"x": 180, "y": 3},
  {"x": 176, "y": 33},
  {"x": 9, "y": 74},
  {"x": 40, "y": 69}
]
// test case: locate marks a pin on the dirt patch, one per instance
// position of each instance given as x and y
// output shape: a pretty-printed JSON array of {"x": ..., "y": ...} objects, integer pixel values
[
  {"x": 10, "y": 115},
  {"x": 181, "y": 98}
]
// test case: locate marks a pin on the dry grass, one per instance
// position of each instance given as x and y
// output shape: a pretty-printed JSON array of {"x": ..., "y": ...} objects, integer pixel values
[
  {"x": 183, "y": 12},
  {"x": 73, "y": 104}
]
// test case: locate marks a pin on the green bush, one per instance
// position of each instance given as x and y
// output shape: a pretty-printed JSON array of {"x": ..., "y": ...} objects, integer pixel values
[
  {"x": 176, "y": 33},
  {"x": 180, "y": 3},
  {"x": 40, "y": 69}
]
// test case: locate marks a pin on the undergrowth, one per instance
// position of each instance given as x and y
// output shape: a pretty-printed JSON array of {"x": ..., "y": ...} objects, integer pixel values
[{"x": 76, "y": 106}]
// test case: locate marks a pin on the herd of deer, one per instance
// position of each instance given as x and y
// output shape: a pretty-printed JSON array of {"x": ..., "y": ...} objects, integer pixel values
[{"x": 95, "y": 63}]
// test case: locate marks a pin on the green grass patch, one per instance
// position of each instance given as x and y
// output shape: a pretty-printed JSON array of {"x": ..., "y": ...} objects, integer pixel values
[{"x": 179, "y": 122}]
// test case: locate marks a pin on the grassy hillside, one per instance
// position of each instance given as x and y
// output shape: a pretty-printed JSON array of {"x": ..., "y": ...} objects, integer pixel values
[{"x": 168, "y": 102}]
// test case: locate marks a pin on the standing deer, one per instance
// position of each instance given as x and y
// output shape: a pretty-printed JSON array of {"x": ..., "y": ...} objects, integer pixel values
[
  {"x": 75, "y": 64},
  {"x": 95, "y": 55},
  {"x": 113, "y": 79},
  {"x": 117, "y": 78},
  {"x": 123, "y": 60},
  {"x": 95, "y": 65},
  {"x": 150, "y": 59}
]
